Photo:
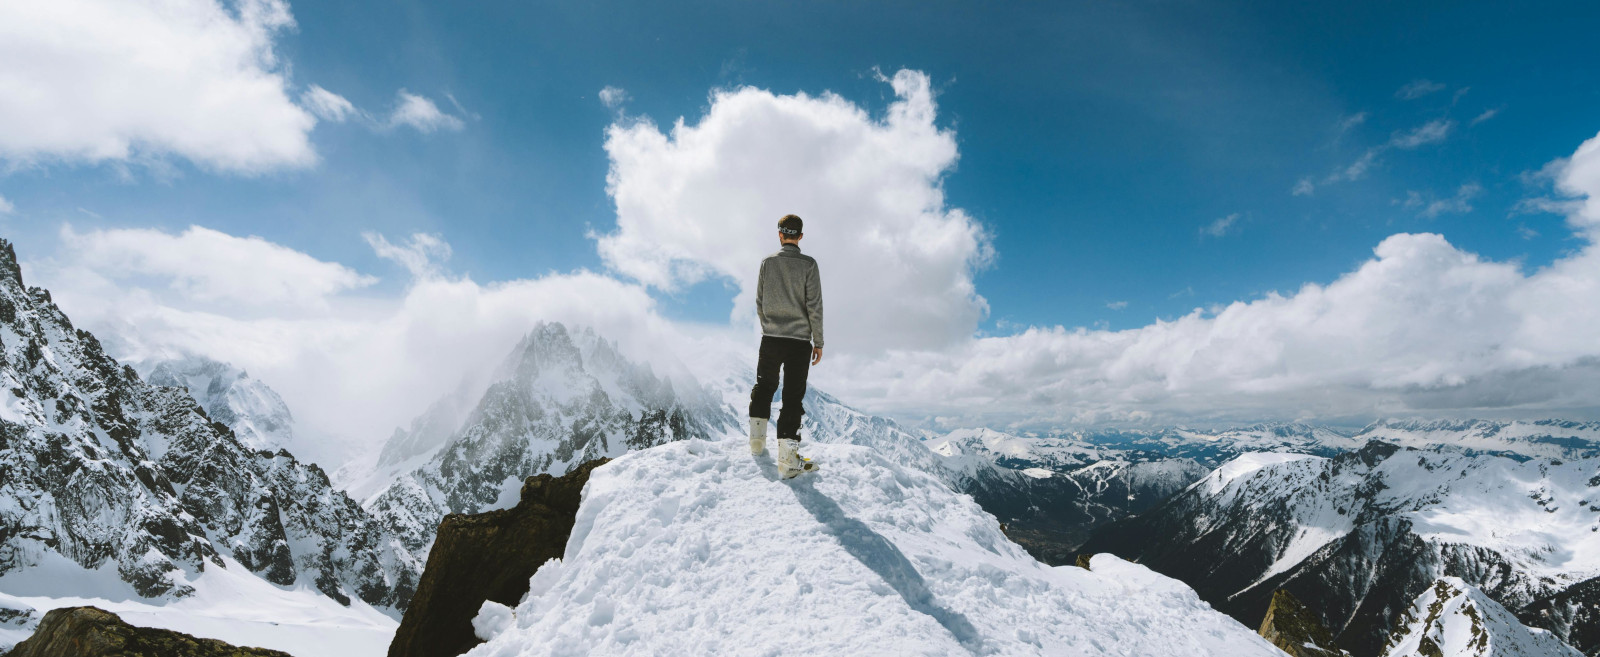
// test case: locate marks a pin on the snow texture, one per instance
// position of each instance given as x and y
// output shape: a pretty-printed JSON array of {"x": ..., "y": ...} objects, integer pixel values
[
  {"x": 696, "y": 547},
  {"x": 1454, "y": 619}
]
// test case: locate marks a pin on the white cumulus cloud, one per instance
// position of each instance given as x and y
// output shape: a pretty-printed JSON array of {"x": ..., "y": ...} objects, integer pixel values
[
  {"x": 702, "y": 202},
  {"x": 91, "y": 81},
  {"x": 205, "y": 265}
]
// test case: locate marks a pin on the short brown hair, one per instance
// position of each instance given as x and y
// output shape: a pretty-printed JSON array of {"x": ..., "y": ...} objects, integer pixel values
[{"x": 790, "y": 225}]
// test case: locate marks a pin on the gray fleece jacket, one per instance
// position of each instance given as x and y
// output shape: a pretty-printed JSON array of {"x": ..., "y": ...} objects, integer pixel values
[{"x": 789, "y": 296}]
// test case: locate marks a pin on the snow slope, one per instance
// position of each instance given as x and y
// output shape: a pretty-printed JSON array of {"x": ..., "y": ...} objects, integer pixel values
[
  {"x": 1454, "y": 619},
  {"x": 228, "y": 604},
  {"x": 696, "y": 547}
]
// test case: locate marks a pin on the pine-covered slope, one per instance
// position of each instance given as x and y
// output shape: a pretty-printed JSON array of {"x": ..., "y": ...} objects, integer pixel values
[
  {"x": 113, "y": 473},
  {"x": 697, "y": 548},
  {"x": 1360, "y": 535},
  {"x": 1452, "y": 618}
]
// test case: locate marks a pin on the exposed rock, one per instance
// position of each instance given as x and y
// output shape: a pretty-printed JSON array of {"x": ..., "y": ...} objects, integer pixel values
[
  {"x": 488, "y": 556},
  {"x": 101, "y": 467},
  {"x": 93, "y": 632},
  {"x": 1295, "y": 630},
  {"x": 1454, "y": 619},
  {"x": 1083, "y": 561}
]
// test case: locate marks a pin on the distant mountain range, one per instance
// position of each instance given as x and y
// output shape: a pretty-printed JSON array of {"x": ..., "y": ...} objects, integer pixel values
[{"x": 1360, "y": 535}]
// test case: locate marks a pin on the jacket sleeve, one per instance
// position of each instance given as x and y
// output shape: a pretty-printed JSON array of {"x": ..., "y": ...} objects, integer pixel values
[
  {"x": 814, "y": 304},
  {"x": 761, "y": 279}
]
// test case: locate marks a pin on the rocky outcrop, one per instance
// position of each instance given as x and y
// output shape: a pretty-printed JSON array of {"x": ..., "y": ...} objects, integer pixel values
[
  {"x": 488, "y": 556},
  {"x": 93, "y": 632},
  {"x": 1454, "y": 619},
  {"x": 1295, "y": 630}
]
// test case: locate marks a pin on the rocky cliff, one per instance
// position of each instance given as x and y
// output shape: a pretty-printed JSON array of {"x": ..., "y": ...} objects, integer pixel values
[{"x": 488, "y": 556}]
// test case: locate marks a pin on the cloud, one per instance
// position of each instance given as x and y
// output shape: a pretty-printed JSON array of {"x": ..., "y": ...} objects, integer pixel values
[
  {"x": 96, "y": 81},
  {"x": 1348, "y": 122},
  {"x": 353, "y": 365},
  {"x": 702, "y": 202},
  {"x": 6, "y": 207},
  {"x": 1221, "y": 226},
  {"x": 420, "y": 113},
  {"x": 327, "y": 105},
  {"x": 1303, "y": 187},
  {"x": 204, "y": 265},
  {"x": 1421, "y": 327},
  {"x": 1485, "y": 116},
  {"x": 1428, "y": 133},
  {"x": 1430, "y": 208},
  {"x": 1116, "y": 305},
  {"x": 613, "y": 97},
  {"x": 1417, "y": 89},
  {"x": 424, "y": 257}
]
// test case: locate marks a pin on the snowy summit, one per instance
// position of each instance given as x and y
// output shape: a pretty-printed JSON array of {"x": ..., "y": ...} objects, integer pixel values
[{"x": 696, "y": 547}]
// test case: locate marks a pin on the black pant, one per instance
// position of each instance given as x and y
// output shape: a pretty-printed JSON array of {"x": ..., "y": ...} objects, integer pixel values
[{"x": 794, "y": 356}]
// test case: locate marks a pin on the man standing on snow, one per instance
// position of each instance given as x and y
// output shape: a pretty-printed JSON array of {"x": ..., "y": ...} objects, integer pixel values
[{"x": 789, "y": 303}]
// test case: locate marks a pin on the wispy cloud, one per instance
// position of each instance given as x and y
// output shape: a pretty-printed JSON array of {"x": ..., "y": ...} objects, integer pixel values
[
  {"x": 6, "y": 207},
  {"x": 1116, "y": 305},
  {"x": 1348, "y": 122},
  {"x": 327, "y": 105},
  {"x": 1303, "y": 187},
  {"x": 614, "y": 97},
  {"x": 1485, "y": 116},
  {"x": 420, "y": 113},
  {"x": 1417, "y": 89},
  {"x": 1428, "y": 133},
  {"x": 1221, "y": 226},
  {"x": 1430, "y": 207}
]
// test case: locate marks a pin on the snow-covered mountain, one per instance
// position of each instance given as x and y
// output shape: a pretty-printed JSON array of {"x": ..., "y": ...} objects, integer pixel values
[
  {"x": 1549, "y": 439},
  {"x": 561, "y": 398},
  {"x": 696, "y": 547},
  {"x": 107, "y": 478},
  {"x": 255, "y": 413},
  {"x": 1454, "y": 619},
  {"x": 1358, "y": 536}
]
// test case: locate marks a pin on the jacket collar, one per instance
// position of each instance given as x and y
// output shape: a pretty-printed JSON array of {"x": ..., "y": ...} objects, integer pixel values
[{"x": 791, "y": 247}]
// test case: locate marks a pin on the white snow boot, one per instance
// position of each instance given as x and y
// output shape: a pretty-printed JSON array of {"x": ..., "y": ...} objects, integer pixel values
[
  {"x": 790, "y": 462},
  {"x": 758, "y": 435}
]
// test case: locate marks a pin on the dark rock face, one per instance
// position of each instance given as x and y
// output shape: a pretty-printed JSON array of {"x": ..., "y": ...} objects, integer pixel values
[
  {"x": 1295, "y": 630},
  {"x": 92, "y": 632},
  {"x": 488, "y": 556},
  {"x": 1573, "y": 614},
  {"x": 101, "y": 467},
  {"x": 1051, "y": 517}
]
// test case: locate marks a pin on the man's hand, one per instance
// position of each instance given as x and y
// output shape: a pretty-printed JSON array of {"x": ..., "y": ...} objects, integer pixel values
[{"x": 816, "y": 355}]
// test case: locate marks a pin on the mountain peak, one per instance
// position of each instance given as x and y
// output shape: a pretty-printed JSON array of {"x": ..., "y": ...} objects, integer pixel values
[{"x": 10, "y": 269}]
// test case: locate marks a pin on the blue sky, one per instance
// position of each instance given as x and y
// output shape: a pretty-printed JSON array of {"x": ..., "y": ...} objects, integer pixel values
[
  {"x": 1129, "y": 162},
  {"x": 1096, "y": 139}
]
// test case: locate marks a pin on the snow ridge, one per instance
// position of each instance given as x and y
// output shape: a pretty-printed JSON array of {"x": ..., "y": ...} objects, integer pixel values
[
  {"x": 1454, "y": 619},
  {"x": 696, "y": 547}
]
